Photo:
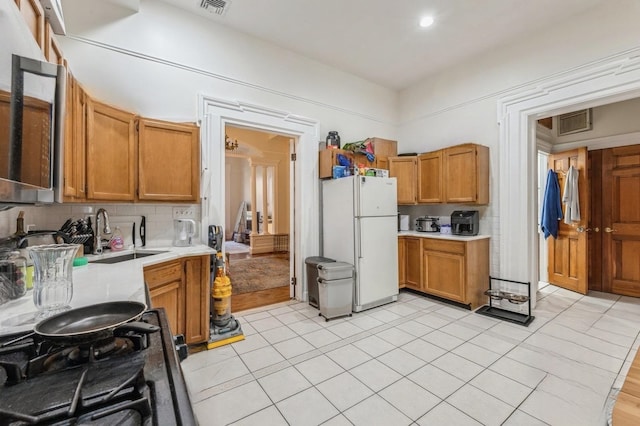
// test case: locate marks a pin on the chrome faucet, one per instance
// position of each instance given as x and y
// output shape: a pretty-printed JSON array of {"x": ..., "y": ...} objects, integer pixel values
[{"x": 97, "y": 235}]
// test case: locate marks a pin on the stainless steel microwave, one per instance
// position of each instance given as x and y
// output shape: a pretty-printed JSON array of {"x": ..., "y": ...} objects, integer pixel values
[{"x": 31, "y": 124}]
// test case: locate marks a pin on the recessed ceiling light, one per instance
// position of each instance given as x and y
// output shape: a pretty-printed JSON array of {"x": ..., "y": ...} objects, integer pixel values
[{"x": 426, "y": 21}]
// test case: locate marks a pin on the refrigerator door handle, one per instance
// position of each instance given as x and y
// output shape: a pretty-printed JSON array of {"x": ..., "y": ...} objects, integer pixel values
[{"x": 359, "y": 240}]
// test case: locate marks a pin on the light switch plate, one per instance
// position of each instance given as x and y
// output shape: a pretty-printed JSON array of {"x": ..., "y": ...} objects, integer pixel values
[{"x": 184, "y": 213}]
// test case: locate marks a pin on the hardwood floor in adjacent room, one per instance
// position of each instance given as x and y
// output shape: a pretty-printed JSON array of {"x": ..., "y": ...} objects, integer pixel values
[{"x": 257, "y": 299}]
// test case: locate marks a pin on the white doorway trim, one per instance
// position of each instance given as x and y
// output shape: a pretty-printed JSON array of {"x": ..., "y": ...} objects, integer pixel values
[
  {"x": 611, "y": 80},
  {"x": 214, "y": 115}
]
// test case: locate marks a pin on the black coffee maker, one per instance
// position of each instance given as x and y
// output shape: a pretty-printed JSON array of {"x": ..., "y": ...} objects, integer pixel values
[{"x": 465, "y": 222}]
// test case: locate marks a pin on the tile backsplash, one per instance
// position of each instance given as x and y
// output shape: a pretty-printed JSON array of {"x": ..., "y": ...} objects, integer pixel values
[{"x": 159, "y": 219}]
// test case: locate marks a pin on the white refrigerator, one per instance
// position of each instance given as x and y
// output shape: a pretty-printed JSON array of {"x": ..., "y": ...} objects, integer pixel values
[{"x": 359, "y": 226}]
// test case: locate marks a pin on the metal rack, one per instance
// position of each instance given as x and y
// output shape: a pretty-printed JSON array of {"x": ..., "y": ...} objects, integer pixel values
[{"x": 515, "y": 298}]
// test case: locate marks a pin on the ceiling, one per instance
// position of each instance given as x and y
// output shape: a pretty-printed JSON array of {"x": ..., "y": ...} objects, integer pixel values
[{"x": 380, "y": 40}]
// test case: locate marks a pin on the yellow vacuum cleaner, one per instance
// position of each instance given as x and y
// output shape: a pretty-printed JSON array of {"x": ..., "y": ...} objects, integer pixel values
[{"x": 224, "y": 327}]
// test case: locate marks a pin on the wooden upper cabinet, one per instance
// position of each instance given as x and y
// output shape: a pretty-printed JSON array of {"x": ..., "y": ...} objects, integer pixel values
[
  {"x": 52, "y": 50},
  {"x": 404, "y": 169},
  {"x": 466, "y": 174},
  {"x": 33, "y": 15},
  {"x": 110, "y": 145},
  {"x": 168, "y": 161},
  {"x": 74, "y": 142},
  {"x": 430, "y": 178}
]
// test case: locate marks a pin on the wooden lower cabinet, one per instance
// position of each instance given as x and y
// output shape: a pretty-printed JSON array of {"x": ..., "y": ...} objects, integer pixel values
[
  {"x": 454, "y": 270},
  {"x": 412, "y": 266},
  {"x": 402, "y": 262},
  {"x": 181, "y": 287},
  {"x": 444, "y": 269}
]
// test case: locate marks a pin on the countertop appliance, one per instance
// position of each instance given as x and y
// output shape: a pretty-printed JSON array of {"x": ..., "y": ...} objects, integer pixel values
[
  {"x": 465, "y": 222},
  {"x": 403, "y": 222},
  {"x": 183, "y": 232},
  {"x": 359, "y": 216},
  {"x": 133, "y": 378},
  {"x": 427, "y": 224}
]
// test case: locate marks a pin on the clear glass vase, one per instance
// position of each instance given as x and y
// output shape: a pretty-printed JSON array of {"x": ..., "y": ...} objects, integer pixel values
[{"x": 52, "y": 277}]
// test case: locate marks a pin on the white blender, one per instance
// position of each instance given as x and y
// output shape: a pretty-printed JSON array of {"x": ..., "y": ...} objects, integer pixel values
[{"x": 183, "y": 232}]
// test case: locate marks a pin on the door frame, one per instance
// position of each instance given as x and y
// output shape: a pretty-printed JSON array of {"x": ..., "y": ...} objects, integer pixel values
[
  {"x": 214, "y": 115},
  {"x": 609, "y": 80}
]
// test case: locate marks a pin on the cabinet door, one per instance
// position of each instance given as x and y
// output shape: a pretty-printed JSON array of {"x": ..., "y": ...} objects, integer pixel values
[
  {"x": 165, "y": 282},
  {"x": 74, "y": 142},
  {"x": 444, "y": 274},
  {"x": 168, "y": 161},
  {"x": 413, "y": 263},
  {"x": 430, "y": 177},
  {"x": 404, "y": 169},
  {"x": 382, "y": 163},
  {"x": 110, "y": 153},
  {"x": 466, "y": 174},
  {"x": 52, "y": 50},
  {"x": 168, "y": 296},
  {"x": 402, "y": 254},
  {"x": 197, "y": 284},
  {"x": 33, "y": 15}
]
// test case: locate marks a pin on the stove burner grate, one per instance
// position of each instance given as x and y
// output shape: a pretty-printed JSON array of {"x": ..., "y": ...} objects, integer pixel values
[{"x": 81, "y": 396}]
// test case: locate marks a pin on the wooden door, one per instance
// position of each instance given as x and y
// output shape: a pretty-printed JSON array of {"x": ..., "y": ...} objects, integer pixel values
[
  {"x": 568, "y": 266},
  {"x": 402, "y": 261},
  {"x": 168, "y": 161},
  {"x": 33, "y": 15},
  {"x": 166, "y": 289},
  {"x": 52, "y": 50},
  {"x": 197, "y": 297},
  {"x": 444, "y": 274},
  {"x": 413, "y": 262},
  {"x": 404, "y": 169},
  {"x": 430, "y": 177},
  {"x": 75, "y": 142},
  {"x": 110, "y": 153},
  {"x": 465, "y": 174},
  {"x": 621, "y": 220}
]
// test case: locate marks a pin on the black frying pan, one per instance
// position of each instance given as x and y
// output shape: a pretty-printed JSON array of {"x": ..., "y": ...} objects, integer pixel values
[{"x": 93, "y": 322}]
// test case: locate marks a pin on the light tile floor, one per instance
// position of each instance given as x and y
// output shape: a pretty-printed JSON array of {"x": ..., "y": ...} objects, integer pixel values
[{"x": 420, "y": 362}]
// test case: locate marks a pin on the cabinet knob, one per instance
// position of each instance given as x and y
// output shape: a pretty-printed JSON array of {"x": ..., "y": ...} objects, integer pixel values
[{"x": 609, "y": 230}]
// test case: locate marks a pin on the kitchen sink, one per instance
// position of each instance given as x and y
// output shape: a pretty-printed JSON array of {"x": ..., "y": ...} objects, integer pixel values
[{"x": 128, "y": 256}]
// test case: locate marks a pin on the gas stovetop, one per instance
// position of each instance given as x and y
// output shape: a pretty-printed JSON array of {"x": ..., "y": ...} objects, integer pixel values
[{"x": 131, "y": 379}]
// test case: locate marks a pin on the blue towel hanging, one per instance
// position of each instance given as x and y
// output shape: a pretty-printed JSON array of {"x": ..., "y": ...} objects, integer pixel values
[{"x": 551, "y": 206}]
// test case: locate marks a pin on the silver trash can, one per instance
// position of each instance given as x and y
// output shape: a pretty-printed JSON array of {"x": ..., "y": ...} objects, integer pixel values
[
  {"x": 335, "y": 282},
  {"x": 312, "y": 278}
]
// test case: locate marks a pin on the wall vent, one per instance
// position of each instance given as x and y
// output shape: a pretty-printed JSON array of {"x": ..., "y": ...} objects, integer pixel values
[
  {"x": 574, "y": 122},
  {"x": 219, "y": 7}
]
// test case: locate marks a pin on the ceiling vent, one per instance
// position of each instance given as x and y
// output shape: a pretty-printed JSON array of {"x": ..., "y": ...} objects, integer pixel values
[
  {"x": 219, "y": 7},
  {"x": 574, "y": 122}
]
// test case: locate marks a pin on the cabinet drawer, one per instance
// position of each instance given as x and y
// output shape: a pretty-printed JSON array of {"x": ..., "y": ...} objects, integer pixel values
[
  {"x": 443, "y": 245},
  {"x": 161, "y": 274}
]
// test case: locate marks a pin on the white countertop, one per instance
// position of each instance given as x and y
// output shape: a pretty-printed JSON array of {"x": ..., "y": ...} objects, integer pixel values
[
  {"x": 98, "y": 283},
  {"x": 441, "y": 236}
]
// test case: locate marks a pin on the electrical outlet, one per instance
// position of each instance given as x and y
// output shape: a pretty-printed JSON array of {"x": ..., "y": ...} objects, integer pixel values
[{"x": 184, "y": 213}]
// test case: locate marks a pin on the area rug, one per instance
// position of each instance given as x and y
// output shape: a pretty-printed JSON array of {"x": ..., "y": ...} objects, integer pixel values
[{"x": 258, "y": 273}]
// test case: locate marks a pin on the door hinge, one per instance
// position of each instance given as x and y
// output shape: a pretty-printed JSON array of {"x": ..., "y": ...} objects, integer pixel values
[
  {"x": 293, "y": 157},
  {"x": 294, "y": 281}
]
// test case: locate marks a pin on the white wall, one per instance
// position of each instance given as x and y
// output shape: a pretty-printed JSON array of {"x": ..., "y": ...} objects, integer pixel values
[
  {"x": 156, "y": 61},
  {"x": 460, "y": 104},
  {"x": 619, "y": 118}
]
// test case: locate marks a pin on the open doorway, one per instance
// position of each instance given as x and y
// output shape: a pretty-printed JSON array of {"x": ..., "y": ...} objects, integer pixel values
[
  {"x": 257, "y": 204},
  {"x": 611, "y": 169}
]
